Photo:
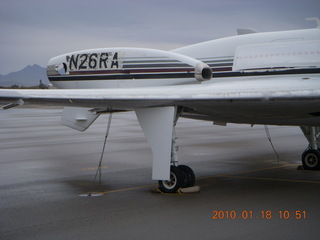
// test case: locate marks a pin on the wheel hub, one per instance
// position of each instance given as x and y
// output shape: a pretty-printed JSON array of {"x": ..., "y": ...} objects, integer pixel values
[
  {"x": 170, "y": 184},
  {"x": 311, "y": 160}
]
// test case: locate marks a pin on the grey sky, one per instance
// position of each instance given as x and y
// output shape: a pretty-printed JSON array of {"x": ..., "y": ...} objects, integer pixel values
[{"x": 33, "y": 31}]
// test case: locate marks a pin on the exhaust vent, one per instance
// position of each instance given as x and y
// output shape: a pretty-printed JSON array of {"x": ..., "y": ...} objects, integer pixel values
[{"x": 202, "y": 72}]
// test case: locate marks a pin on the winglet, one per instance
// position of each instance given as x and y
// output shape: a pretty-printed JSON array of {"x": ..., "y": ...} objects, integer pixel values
[
  {"x": 316, "y": 19},
  {"x": 157, "y": 125},
  {"x": 243, "y": 31}
]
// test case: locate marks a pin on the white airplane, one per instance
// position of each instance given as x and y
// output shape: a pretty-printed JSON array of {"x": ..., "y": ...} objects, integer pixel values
[{"x": 252, "y": 78}]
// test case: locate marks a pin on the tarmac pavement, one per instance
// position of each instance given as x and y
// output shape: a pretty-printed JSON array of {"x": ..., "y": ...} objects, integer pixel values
[{"x": 45, "y": 169}]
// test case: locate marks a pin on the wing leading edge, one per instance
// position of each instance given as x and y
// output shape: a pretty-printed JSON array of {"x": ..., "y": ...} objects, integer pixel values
[{"x": 281, "y": 100}]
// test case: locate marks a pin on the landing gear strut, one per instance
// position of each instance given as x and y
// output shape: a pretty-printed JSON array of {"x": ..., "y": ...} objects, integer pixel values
[
  {"x": 311, "y": 157},
  {"x": 158, "y": 125},
  {"x": 181, "y": 176}
]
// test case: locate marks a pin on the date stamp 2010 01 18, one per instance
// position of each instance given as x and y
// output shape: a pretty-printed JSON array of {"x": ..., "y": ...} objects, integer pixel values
[{"x": 265, "y": 214}]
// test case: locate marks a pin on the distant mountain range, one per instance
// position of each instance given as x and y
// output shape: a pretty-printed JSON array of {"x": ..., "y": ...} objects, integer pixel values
[{"x": 27, "y": 77}]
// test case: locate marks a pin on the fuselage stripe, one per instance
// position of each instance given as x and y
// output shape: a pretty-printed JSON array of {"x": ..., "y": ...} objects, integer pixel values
[
  {"x": 120, "y": 77},
  {"x": 130, "y": 71},
  {"x": 221, "y": 72}
]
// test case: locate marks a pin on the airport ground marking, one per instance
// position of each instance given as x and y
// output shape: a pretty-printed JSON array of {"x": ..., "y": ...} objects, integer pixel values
[
  {"x": 93, "y": 168},
  {"x": 248, "y": 171},
  {"x": 231, "y": 175},
  {"x": 277, "y": 179},
  {"x": 127, "y": 189}
]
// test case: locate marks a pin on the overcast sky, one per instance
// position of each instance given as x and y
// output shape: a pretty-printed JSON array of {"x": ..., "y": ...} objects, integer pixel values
[{"x": 33, "y": 31}]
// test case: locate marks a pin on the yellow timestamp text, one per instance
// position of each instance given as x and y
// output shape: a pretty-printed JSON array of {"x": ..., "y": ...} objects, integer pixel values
[{"x": 264, "y": 214}]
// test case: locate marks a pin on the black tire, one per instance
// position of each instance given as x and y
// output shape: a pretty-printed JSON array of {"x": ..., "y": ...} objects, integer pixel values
[
  {"x": 190, "y": 177},
  {"x": 311, "y": 159},
  {"x": 177, "y": 179}
]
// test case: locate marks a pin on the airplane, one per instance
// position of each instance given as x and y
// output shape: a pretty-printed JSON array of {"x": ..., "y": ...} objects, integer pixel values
[{"x": 270, "y": 78}]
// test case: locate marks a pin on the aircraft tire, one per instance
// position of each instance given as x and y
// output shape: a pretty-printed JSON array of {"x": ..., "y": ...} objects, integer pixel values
[
  {"x": 177, "y": 180},
  {"x": 311, "y": 159},
  {"x": 189, "y": 174}
]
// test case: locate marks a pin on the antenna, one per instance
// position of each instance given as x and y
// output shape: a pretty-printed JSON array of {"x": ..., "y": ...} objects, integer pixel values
[{"x": 316, "y": 19}]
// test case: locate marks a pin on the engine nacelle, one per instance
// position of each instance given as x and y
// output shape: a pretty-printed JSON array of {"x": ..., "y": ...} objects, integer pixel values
[
  {"x": 125, "y": 67},
  {"x": 202, "y": 72}
]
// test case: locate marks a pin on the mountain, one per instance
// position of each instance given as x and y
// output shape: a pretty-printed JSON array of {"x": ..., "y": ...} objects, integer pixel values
[{"x": 27, "y": 77}]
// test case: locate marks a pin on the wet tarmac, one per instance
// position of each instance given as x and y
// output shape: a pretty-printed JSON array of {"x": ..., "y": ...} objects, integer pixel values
[{"x": 245, "y": 193}]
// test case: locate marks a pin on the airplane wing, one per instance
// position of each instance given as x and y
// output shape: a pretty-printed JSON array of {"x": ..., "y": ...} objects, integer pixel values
[{"x": 280, "y": 100}]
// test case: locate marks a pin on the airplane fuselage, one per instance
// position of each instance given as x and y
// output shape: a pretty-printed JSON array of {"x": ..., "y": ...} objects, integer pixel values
[{"x": 257, "y": 54}]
